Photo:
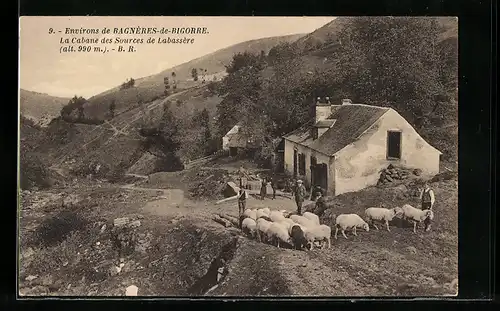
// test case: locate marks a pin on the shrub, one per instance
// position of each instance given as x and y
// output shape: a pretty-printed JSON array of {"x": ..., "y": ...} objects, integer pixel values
[{"x": 32, "y": 171}]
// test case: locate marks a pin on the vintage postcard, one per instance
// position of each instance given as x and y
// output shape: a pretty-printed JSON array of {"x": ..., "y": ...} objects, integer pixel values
[{"x": 238, "y": 156}]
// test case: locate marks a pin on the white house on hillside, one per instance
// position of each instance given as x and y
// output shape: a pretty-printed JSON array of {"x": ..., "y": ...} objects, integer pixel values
[
  {"x": 346, "y": 146},
  {"x": 235, "y": 139}
]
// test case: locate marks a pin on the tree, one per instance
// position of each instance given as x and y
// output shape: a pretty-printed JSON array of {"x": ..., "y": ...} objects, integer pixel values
[
  {"x": 393, "y": 60},
  {"x": 174, "y": 82},
  {"x": 206, "y": 138},
  {"x": 163, "y": 141},
  {"x": 194, "y": 74},
  {"x": 112, "y": 108},
  {"x": 76, "y": 102},
  {"x": 127, "y": 84}
]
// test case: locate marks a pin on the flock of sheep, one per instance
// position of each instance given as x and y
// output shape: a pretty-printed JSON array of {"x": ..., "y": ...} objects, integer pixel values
[{"x": 305, "y": 231}]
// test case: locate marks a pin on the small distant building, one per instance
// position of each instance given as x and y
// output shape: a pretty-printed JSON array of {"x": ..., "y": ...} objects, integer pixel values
[
  {"x": 345, "y": 147},
  {"x": 236, "y": 141}
]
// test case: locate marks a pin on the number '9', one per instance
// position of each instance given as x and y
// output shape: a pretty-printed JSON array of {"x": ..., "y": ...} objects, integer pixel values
[{"x": 51, "y": 30}]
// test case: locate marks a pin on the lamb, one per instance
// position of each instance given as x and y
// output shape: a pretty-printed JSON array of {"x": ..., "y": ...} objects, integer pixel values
[
  {"x": 251, "y": 213},
  {"x": 381, "y": 214},
  {"x": 313, "y": 217},
  {"x": 276, "y": 216},
  {"x": 348, "y": 221},
  {"x": 297, "y": 235},
  {"x": 416, "y": 215},
  {"x": 302, "y": 221},
  {"x": 249, "y": 227},
  {"x": 266, "y": 210},
  {"x": 321, "y": 233},
  {"x": 262, "y": 228},
  {"x": 277, "y": 232}
]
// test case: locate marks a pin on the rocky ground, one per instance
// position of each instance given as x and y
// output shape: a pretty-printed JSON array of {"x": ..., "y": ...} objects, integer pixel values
[{"x": 100, "y": 238}]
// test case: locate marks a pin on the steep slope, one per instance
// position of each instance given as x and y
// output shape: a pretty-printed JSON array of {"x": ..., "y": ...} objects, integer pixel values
[
  {"x": 39, "y": 107},
  {"x": 116, "y": 144},
  {"x": 215, "y": 62},
  {"x": 324, "y": 36}
]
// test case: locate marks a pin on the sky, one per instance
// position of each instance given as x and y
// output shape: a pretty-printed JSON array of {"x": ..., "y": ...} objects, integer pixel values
[{"x": 45, "y": 69}]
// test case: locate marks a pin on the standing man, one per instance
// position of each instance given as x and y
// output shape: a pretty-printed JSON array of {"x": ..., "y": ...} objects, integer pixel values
[
  {"x": 300, "y": 193},
  {"x": 274, "y": 185},
  {"x": 427, "y": 198},
  {"x": 242, "y": 200}
]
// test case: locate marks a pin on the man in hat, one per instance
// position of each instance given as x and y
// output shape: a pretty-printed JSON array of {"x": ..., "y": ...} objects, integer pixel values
[
  {"x": 427, "y": 199},
  {"x": 242, "y": 200},
  {"x": 300, "y": 193}
]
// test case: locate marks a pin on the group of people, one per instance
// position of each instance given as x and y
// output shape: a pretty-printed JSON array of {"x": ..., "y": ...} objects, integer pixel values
[{"x": 299, "y": 193}]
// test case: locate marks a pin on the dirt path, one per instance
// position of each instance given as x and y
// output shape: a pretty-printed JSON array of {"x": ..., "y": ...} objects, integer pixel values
[{"x": 185, "y": 245}]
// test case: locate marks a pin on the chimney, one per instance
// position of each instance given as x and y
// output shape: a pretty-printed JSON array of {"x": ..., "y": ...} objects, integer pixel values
[
  {"x": 346, "y": 101},
  {"x": 323, "y": 109}
]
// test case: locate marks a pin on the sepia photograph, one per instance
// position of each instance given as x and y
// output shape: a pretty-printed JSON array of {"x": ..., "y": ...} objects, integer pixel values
[{"x": 191, "y": 156}]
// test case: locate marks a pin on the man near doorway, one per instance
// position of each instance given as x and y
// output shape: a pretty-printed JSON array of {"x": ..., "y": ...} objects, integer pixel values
[
  {"x": 320, "y": 205},
  {"x": 315, "y": 191},
  {"x": 427, "y": 199},
  {"x": 300, "y": 194}
]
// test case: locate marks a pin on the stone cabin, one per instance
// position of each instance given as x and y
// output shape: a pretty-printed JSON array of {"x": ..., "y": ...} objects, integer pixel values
[
  {"x": 346, "y": 146},
  {"x": 236, "y": 141}
]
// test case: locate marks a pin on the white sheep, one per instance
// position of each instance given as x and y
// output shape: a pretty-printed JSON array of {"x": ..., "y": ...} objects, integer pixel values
[
  {"x": 349, "y": 221},
  {"x": 302, "y": 221},
  {"x": 277, "y": 232},
  {"x": 285, "y": 213},
  {"x": 262, "y": 228},
  {"x": 321, "y": 233},
  {"x": 250, "y": 213},
  {"x": 249, "y": 226},
  {"x": 381, "y": 214},
  {"x": 260, "y": 213},
  {"x": 276, "y": 216},
  {"x": 266, "y": 210},
  {"x": 416, "y": 215},
  {"x": 287, "y": 222},
  {"x": 313, "y": 217}
]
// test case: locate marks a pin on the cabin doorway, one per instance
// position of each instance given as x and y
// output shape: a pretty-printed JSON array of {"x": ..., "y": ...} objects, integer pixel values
[
  {"x": 233, "y": 151},
  {"x": 394, "y": 145},
  {"x": 319, "y": 176}
]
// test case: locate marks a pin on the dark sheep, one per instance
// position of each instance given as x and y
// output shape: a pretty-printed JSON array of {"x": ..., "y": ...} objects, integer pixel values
[{"x": 298, "y": 238}]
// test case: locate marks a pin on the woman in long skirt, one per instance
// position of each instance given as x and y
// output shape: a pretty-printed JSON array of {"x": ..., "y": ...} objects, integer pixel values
[{"x": 263, "y": 189}]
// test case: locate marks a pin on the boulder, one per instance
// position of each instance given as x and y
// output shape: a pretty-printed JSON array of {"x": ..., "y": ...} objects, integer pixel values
[{"x": 230, "y": 190}]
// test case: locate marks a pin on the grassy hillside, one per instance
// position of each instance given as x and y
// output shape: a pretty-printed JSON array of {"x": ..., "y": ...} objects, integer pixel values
[
  {"x": 322, "y": 36},
  {"x": 116, "y": 144},
  {"x": 150, "y": 88},
  {"x": 40, "y": 107}
]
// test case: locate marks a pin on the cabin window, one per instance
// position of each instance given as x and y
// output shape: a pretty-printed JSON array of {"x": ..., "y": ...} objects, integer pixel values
[
  {"x": 302, "y": 164},
  {"x": 394, "y": 145}
]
